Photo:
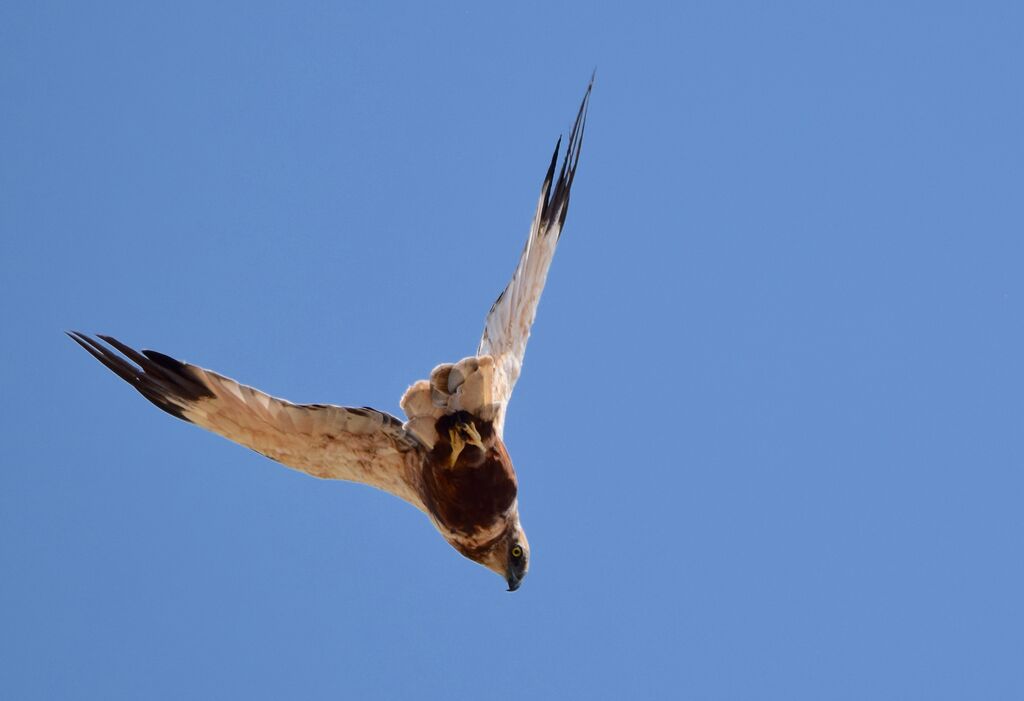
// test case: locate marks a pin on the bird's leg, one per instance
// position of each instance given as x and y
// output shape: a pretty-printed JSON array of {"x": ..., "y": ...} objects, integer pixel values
[
  {"x": 460, "y": 436},
  {"x": 455, "y": 438}
]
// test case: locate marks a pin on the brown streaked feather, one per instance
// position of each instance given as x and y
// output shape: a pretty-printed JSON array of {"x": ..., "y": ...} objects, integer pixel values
[
  {"x": 357, "y": 444},
  {"x": 507, "y": 328},
  {"x": 471, "y": 496}
]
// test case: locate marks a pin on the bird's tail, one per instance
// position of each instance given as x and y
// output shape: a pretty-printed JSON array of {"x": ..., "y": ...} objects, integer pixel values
[{"x": 467, "y": 385}]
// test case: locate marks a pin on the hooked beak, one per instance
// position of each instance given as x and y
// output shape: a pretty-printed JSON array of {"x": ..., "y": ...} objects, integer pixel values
[{"x": 513, "y": 581}]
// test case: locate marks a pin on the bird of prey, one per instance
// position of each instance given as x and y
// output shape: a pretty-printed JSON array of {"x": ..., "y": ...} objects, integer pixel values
[{"x": 447, "y": 459}]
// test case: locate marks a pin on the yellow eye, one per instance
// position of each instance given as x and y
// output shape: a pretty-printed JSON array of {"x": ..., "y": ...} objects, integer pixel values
[{"x": 517, "y": 551}]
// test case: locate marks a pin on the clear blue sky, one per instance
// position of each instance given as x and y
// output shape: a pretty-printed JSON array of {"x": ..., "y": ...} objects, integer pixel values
[{"x": 769, "y": 433}]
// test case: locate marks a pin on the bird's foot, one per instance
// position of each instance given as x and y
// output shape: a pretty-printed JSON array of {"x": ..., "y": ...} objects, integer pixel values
[
  {"x": 455, "y": 438},
  {"x": 472, "y": 436},
  {"x": 460, "y": 436}
]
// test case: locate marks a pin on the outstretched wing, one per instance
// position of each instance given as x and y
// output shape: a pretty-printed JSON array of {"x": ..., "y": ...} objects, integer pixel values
[
  {"x": 507, "y": 327},
  {"x": 331, "y": 442}
]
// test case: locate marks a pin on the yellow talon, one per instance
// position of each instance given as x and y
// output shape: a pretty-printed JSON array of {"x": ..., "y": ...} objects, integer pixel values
[
  {"x": 455, "y": 437},
  {"x": 473, "y": 436}
]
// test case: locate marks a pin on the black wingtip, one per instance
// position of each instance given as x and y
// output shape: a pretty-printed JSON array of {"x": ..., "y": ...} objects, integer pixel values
[
  {"x": 164, "y": 381},
  {"x": 165, "y": 361},
  {"x": 558, "y": 199}
]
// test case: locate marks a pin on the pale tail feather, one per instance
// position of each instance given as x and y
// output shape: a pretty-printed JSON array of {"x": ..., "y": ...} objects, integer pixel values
[{"x": 468, "y": 385}]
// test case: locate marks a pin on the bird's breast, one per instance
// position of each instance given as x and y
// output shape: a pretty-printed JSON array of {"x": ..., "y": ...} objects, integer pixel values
[{"x": 468, "y": 478}]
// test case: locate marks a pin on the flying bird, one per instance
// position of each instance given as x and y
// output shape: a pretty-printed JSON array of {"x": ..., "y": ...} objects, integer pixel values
[{"x": 447, "y": 458}]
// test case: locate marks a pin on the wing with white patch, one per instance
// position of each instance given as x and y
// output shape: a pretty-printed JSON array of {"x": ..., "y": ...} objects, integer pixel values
[
  {"x": 507, "y": 327},
  {"x": 323, "y": 440}
]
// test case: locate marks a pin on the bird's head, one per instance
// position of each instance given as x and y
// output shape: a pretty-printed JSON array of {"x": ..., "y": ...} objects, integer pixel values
[{"x": 509, "y": 556}]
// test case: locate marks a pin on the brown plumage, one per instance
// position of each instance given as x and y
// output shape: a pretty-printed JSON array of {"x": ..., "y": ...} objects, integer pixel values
[{"x": 447, "y": 459}]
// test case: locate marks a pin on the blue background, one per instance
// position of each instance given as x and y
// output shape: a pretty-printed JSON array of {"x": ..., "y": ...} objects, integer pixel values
[{"x": 769, "y": 429}]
